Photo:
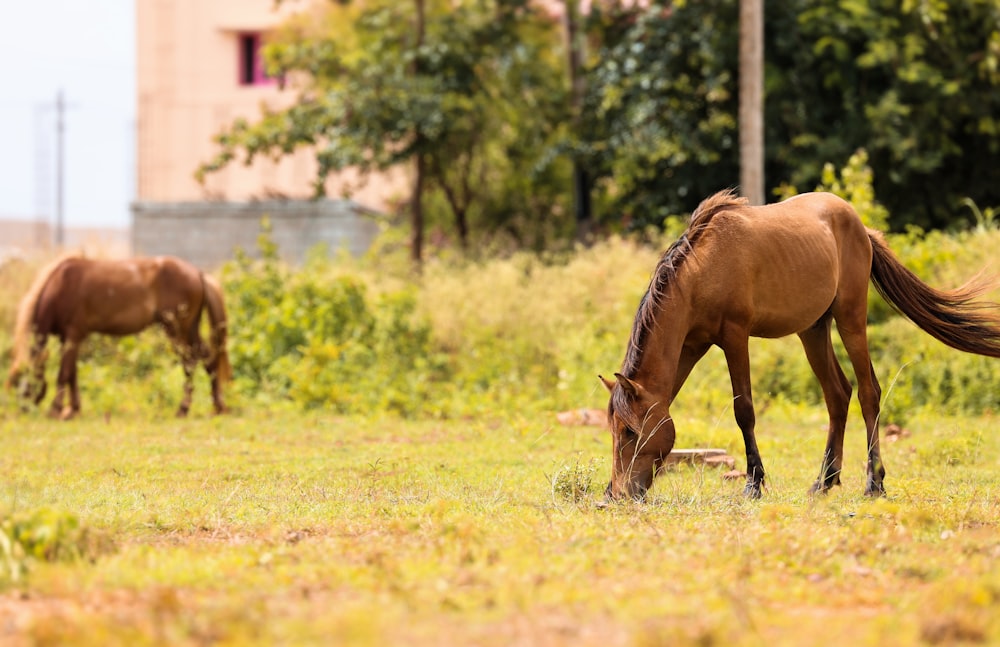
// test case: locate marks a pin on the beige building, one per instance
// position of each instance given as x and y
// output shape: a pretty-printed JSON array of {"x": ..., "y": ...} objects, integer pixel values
[{"x": 198, "y": 70}]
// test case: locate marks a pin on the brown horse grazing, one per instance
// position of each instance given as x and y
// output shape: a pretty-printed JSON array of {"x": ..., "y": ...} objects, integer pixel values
[
  {"x": 792, "y": 267},
  {"x": 73, "y": 297}
]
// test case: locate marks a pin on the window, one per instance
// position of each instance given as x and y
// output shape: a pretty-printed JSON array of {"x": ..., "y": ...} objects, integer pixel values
[{"x": 251, "y": 70}]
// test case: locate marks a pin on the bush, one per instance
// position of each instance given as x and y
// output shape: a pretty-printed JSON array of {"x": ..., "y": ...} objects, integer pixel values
[
  {"x": 44, "y": 535},
  {"x": 317, "y": 338},
  {"x": 522, "y": 335}
]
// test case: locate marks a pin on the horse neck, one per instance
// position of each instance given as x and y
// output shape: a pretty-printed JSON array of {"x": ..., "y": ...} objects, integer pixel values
[{"x": 658, "y": 362}]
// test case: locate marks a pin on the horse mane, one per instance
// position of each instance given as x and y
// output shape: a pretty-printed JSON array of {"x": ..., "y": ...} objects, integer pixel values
[
  {"x": 666, "y": 271},
  {"x": 26, "y": 314}
]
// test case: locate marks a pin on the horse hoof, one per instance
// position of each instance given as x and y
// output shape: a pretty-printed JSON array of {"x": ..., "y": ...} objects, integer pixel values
[
  {"x": 875, "y": 492},
  {"x": 752, "y": 491}
]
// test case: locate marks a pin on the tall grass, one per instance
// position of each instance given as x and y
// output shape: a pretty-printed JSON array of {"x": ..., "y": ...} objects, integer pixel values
[{"x": 524, "y": 333}]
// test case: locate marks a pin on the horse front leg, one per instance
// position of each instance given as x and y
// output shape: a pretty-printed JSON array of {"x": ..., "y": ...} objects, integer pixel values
[
  {"x": 738, "y": 359},
  {"x": 39, "y": 358},
  {"x": 65, "y": 381}
]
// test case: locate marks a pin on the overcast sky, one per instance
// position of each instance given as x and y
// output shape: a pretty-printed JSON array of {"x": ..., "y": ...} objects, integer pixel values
[{"x": 87, "y": 50}]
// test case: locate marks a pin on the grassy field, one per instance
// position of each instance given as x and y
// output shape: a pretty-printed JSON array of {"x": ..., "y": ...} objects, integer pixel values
[
  {"x": 469, "y": 516},
  {"x": 284, "y": 527}
]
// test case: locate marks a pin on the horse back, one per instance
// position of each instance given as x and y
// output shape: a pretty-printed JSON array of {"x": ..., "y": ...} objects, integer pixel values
[
  {"x": 779, "y": 267},
  {"x": 117, "y": 297}
]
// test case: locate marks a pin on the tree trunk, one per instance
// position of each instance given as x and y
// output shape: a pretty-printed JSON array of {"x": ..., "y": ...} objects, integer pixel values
[
  {"x": 416, "y": 200},
  {"x": 417, "y": 212},
  {"x": 462, "y": 224}
]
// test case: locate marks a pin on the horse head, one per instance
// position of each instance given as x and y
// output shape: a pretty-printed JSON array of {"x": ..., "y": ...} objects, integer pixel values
[
  {"x": 29, "y": 383},
  {"x": 642, "y": 435}
]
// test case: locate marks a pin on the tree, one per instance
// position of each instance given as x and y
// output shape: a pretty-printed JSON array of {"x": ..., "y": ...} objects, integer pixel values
[
  {"x": 915, "y": 83},
  {"x": 661, "y": 107},
  {"x": 422, "y": 81}
]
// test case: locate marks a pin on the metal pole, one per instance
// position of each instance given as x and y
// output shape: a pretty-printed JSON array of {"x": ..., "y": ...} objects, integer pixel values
[
  {"x": 574, "y": 53},
  {"x": 60, "y": 129}
]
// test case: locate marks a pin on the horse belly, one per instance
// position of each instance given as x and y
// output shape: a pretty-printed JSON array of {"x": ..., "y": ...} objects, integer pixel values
[
  {"x": 793, "y": 293},
  {"x": 121, "y": 311}
]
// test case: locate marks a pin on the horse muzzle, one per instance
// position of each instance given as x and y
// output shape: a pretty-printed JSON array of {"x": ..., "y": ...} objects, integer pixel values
[{"x": 637, "y": 493}]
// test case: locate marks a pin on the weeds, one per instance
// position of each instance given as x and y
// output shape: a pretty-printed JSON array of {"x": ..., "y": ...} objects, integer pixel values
[
  {"x": 44, "y": 535},
  {"x": 574, "y": 481}
]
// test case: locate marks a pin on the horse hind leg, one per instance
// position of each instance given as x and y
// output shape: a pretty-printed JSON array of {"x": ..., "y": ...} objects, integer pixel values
[
  {"x": 205, "y": 354},
  {"x": 74, "y": 390},
  {"x": 189, "y": 362},
  {"x": 183, "y": 335},
  {"x": 854, "y": 334},
  {"x": 836, "y": 392},
  {"x": 211, "y": 363}
]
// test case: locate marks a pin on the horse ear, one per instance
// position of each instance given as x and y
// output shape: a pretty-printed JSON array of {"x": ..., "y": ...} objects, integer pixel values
[
  {"x": 631, "y": 387},
  {"x": 608, "y": 384}
]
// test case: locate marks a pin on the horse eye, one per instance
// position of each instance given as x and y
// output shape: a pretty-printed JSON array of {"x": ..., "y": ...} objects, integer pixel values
[{"x": 628, "y": 433}]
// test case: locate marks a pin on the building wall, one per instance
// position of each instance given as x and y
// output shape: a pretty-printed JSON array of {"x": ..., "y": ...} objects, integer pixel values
[
  {"x": 188, "y": 65},
  {"x": 209, "y": 233},
  {"x": 189, "y": 85}
]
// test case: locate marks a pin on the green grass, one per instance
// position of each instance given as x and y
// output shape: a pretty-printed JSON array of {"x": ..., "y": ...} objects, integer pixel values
[
  {"x": 305, "y": 528},
  {"x": 471, "y": 516}
]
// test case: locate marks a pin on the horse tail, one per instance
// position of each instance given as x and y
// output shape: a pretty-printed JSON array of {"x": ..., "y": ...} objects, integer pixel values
[
  {"x": 25, "y": 322},
  {"x": 953, "y": 317},
  {"x": 217, "y": 318}
]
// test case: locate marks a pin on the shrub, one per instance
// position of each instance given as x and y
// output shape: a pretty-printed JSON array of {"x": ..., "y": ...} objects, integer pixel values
[
  {"x": 44, "y": 535},
  {"x": 523, "y": 335},
  {"x": 574, "y": 481}
]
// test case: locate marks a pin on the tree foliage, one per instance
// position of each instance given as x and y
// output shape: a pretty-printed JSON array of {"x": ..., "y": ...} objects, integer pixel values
[
  {"x": 662, "y": 104},
  {"x": 915, "y": 83},
  {"x": 476, "y": 96}
]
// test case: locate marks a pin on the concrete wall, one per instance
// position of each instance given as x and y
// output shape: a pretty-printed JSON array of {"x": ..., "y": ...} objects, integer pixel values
[{"x": 208, "y": 233}]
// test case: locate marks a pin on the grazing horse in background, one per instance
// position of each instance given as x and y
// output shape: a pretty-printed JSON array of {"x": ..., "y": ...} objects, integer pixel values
[
  {"x": 791, "y": 267},
  {"x": 73, "y": 297}
]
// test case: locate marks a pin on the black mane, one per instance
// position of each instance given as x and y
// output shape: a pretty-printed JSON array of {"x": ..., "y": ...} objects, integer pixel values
[{"x": 666, "y": 272}]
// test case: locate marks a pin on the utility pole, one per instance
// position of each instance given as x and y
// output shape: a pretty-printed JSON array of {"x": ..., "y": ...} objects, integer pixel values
[
  {"x": 581, "y": 182},
  {"x": 60, "y": 130},
  {"x": 59, "y": 231},
  {"x": 751, "y": 110}
]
